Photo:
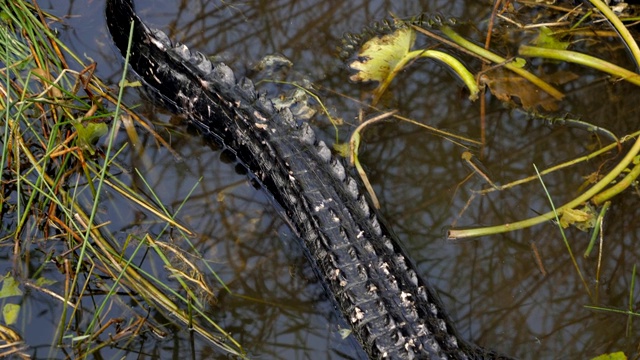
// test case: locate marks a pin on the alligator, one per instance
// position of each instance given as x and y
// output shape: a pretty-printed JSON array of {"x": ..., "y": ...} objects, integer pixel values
[{"x": 393, "y": 311}]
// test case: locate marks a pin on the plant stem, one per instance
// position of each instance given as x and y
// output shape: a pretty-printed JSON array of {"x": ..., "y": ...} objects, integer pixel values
[
  {"x": 586, "y": 196},
  {"x": 632, "y": 45},
  {"x": 582, "y": 59},
  {"x": 500, "y": 60}
]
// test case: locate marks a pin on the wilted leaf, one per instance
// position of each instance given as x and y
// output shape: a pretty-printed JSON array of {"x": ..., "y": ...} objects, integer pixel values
[
  {"x": 10, "y": 287},
  {"x": 560, "y": 77},
  {"x": 612, "y": 356},
  {"x": 583, "y": 219},
  {"x": 380, "y": 55},
  {"x": 10, "y": 313},
  {"x": 547, "y": 39},
  {"x": 382, "y": 58},
  {"x": 505, "y": 86}
]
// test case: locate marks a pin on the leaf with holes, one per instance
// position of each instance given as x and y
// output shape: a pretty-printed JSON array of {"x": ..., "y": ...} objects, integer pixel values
[{"x": 380, "y": 55}]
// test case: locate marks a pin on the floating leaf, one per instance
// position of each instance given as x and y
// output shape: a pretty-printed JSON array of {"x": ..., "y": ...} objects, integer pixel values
[
  {"x": 547, "y": 39},
  {"x": 89, "y": 133},
  {"x": 382, "y": 58},
  {"x": 42, "y": 281},
  {"x": 519, "y": 62},
  {"x": 344, "y": 333},
  {"x": 583, "y": 219},
  {"x": 505, "y": 86},
  {"x": 612, "y": 356},
  {"x": 342, "y": 149},
  {"x": 127, "y": 83},
  {"x": 10, "y": 313},
  {"x": 561, "y": 77},
  {"x": 380, "y": 55},
  {"x": 10, "y": 287}
]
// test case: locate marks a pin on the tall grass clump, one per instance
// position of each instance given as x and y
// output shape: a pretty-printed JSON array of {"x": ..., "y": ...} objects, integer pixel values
[{"x": 61, "y": 156}]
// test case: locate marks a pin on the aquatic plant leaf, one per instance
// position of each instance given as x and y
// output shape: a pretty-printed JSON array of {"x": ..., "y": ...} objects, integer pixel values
[
  {"x": 547, "y": 39},
  {"x": 10, "y": 287},
  {"x": 344, "y": 333},
  {"x": 342, "y": 149},
  {"x": 42, "y": 281},
  {"x": 583, "y": 219},
  {"x": 382, "y": 58},
  {"x": 505, "y": 86},
  {"x": 380, "y": 55},
  {"x": 89, "y": 133},
  {"x": 127, "y": 83},
  {"x": 612, "y": 356},
  {"x": 519, "y": 62},
  {"x": 10, "y": 313}
]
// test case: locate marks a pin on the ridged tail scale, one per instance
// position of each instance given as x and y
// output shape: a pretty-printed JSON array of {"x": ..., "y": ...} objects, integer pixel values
[{"x": 393, "y": 312}]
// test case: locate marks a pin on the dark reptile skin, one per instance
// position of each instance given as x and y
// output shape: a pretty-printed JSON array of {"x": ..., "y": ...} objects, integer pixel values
[{"x": 392, "y": 310}]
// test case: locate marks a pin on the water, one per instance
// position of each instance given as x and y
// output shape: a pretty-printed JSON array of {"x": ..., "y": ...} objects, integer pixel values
[{"x": 493, "y": 287}]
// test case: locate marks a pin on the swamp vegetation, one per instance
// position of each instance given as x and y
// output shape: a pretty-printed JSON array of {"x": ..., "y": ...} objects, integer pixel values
[{"x": 122, "y": 236}]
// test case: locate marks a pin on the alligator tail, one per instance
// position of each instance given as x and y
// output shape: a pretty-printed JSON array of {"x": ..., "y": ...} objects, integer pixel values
[{"x": 392, "y": 310}]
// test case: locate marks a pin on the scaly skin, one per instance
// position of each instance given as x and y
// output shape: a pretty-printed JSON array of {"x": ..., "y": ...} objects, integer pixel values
[{"x": 392, "y": 310}]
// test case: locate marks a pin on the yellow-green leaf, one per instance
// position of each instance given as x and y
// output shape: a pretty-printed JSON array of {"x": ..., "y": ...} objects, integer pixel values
[
  {"x": 128, "y": 83},
  {"x": 344, "y": 333},
  {"x": 583, "y": 219},
  {"x": 612, "y": 356},
  {"x": 547, "y": 39},
  {"x": 89, "y": 133},
  {"x": 380, "y": 55},
  {"x": 10, "y": 313},
  {"x": 42, "y": 281},
  {"x": 519, "y": 62},
  {"x": 342, "y": 149},
  {"x": 10, "y": 287}
]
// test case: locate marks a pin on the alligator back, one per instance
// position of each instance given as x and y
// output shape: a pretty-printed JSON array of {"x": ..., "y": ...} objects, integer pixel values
[{"x": 392, "y": 310}]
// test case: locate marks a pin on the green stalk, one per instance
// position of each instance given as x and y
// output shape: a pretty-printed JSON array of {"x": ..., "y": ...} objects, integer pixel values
[
  {"x": 632, "y": 45},
  {"x": 564, "y": 236},
  {"x": 586, "y": 196},
  {"x": 619, "y": 186},
  {"x": 454, "y": 64},
  {"x": 500, "y": 60},
  {"x": 581, "y": 59},
  {"x": 597, "y": 229}
]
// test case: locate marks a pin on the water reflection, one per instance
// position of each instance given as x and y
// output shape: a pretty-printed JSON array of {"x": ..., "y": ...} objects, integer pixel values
[{"x": 493, "y": 286}]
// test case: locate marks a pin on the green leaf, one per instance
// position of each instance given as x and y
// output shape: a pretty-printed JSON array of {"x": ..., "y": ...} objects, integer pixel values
[
  {"x": 612, "y": 356},
  {"x": 380, "y": 55},
  {"x": 344, "y": 333},
  {"x": 89, "y": 133},
  {"x": 519, "y": 62},
  {"x": 547, "y": 39},
  {"x": 382, "y": 58},
  {"x": 342, "y": 149},
  {"x": 127, "y": 83},
  {"x": 10, "y": 287},
  {"x": 10, "y": 313},
  {"x": 42, "y": 281}
]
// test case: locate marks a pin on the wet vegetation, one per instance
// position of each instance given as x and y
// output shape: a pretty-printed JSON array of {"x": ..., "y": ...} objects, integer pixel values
[
  {"x": 122, "y": 236},
  {"x": 57, "y": 186}
]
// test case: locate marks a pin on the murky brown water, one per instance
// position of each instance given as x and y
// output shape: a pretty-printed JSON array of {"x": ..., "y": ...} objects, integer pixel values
[{"x": 492, "y": 286}]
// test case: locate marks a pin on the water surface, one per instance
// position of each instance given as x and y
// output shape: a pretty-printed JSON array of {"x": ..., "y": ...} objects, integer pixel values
[{"x": 493, "y": 287}]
